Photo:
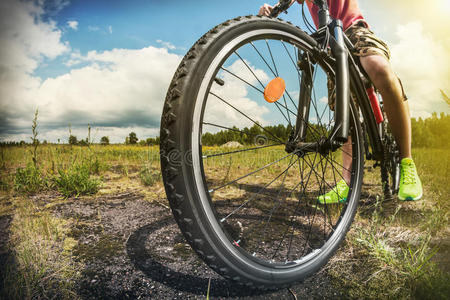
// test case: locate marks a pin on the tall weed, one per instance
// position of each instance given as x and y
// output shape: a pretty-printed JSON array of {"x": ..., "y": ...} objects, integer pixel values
[
  {"x": 148, "y": 175},
  {"x": 29, "y": 179},
  {"x": 76, "y": 181}
]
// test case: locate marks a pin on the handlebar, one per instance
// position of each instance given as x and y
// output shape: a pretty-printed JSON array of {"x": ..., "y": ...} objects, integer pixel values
[{"x": 282, "y": 6}]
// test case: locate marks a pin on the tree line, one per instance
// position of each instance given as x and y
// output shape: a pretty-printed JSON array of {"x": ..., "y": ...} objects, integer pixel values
[{"x": 431, "y": 132}]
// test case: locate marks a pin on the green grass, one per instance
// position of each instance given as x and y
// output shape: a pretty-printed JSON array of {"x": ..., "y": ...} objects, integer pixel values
[
  {"x": 399, "y": 243},
  {"x": 29, "y": 179},
  {"x": 41, "y": 266},
  {"x": 76, "y": 181},
  {"x": 393, "y": 250}
]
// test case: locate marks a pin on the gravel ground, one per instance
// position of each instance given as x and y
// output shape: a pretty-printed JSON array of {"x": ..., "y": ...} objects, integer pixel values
[
  {"x": 5, "y": 221},
  {"x": 132, "y": 249}
]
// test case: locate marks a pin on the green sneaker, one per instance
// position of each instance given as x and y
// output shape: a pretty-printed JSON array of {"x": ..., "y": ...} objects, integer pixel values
[
  {"x": 338, "y": 194},
  {"x": 410, "y": 186}
]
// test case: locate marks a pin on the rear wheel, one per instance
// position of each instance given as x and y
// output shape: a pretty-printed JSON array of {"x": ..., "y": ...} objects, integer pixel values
[
  {"x": 248, "y": 208},
  {"x": 390, "y": 172}
]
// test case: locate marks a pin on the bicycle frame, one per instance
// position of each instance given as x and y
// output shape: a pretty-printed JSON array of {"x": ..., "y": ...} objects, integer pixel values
[{"x": 347, "y": 70}]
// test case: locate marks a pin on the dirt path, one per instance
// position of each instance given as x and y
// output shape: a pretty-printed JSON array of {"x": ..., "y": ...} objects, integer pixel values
[
  {"x": 133, "y": 249},
  {"x": 5, "y": 222}
]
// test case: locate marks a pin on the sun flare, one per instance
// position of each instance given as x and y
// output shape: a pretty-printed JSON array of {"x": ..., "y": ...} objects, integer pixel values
[{"x": 445, "y": 5}]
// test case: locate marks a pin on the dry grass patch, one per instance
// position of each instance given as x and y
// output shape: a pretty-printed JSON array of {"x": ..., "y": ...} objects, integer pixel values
[{"x": 41, "y": 264}]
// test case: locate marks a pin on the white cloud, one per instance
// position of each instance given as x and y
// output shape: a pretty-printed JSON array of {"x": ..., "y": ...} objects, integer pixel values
[
  {"x": 324, "y": 100},
  {"x": 419, "y": 38},
  {"x": 114, "y": 83},
  {"x": 118, "y": 88},
  {"x": 26, "y": 40},
  {"x": 115, "y": 91},
  {"x": 423, "y": 65},
  {"x": 93, "y": 28},
  {"x": 73, "y": 24},
  {"x": 167, "y": 45}
]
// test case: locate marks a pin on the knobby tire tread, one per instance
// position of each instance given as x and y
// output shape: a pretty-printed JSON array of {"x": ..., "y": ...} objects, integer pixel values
[{"x": 173, "y": 174}]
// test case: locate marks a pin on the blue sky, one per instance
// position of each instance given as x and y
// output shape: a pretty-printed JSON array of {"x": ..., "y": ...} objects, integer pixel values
[
  {"x": 105, "y": 25},
  {"x": 109, "y": 63}
]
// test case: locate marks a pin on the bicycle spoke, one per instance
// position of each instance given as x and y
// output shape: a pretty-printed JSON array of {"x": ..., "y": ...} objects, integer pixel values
[
  {"x": 271, "y": 56},
  {"x": 255, "y": 195},
  {"x": 288, "y": 195},
  {"x": 236, "y": 130},
  {"x": 323, "y": 180},
  {"x": 292, "y": 217},
  {"x": 335, "y": 180},
  {"x": 329, "y": 186},
  {"x": 275, "y": 203},
  {"x": 248, "y": 67},
  {"x": 276, "y": 104},
  {"x": 251, "y": 173},
  {"x": 339, "y": 164},
  {"x": 275, "y": 74},
  {"x": 243, "y": 80},
  {"x": 315, "y": 97},
  {"x": 256, "y": 123},
  {"x": 295, "y": 65},
  {"x": 335, "y": 169},
  {"x": 292, "y": 226},
  {"x": 260, "y": 55},
  {"x": 239, "y": 151},
  {"x": 268, "y": 205}
]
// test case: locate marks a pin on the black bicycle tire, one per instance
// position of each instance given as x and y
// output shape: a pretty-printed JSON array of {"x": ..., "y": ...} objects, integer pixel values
[{"x": 178, "y": 174}]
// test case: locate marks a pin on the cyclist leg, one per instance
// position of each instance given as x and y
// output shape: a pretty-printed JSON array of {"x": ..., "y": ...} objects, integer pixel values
[
  {"x": 347, "y": 160},
  {"x": 397, "y": 110},
  {"x": 374, "y": 56}
]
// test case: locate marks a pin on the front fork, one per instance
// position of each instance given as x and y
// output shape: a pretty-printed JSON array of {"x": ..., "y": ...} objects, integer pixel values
[{"x": 339, "y": 133}]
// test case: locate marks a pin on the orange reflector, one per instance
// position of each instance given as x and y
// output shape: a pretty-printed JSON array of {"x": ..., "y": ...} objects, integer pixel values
[{"x": 274, "y": 90}]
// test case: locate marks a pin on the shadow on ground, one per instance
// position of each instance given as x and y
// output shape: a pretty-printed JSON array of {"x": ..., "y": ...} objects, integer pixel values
[{"x": 132, "y": 248}]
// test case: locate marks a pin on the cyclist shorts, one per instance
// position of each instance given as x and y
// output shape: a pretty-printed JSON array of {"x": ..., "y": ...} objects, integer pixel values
[{"x": 366, "y": 42}]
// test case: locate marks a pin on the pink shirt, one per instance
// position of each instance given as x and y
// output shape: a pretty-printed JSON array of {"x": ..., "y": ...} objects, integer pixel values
[{"x": 346, "y": 10}]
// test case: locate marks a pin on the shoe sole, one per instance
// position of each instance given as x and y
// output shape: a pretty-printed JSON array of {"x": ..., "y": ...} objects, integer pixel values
[
  {"x": 411, "y": 198},
  {"x": 342, "y": 201}
]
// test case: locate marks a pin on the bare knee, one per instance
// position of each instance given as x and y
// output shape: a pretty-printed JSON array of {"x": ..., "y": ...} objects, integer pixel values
[{"x": 379, "y": 70}]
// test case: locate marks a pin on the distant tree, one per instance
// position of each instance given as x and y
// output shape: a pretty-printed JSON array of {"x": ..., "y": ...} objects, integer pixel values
[
  {"x": 429, "y": 132},
  {"x": 73, "y": 140},
  {"x": 152, "y": 141},
  {"x": 143, "y": 143},
  {"x": 104, "y": 141},
  {"x": 132, "y": 138},
  {"x": 83, "y": 142}
]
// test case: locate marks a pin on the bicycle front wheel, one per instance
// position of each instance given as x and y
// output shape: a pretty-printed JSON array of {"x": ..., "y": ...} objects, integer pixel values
[{"x": 248, "y": 208}]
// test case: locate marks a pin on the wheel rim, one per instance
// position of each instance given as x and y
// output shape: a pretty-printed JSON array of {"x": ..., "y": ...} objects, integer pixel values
[{"x": 274, "y": 227}]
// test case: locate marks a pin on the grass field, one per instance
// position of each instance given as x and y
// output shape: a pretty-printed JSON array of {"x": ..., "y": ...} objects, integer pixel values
[{"x": 393, "y": 250}]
